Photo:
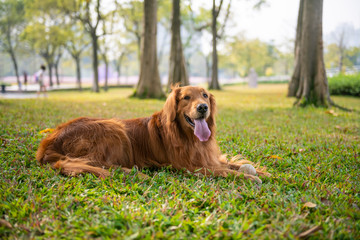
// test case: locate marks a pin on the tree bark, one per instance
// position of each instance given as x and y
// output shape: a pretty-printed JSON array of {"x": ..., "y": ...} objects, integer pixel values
[
  {"x": 208, "y": 68},
  {"x": 106, "y": 74},
  {"x": 294, "y": 83},
  {"x": 149, "y": 85},
  {"x": 13, "y": 58},
  {"x": 94, "y": 39},
  {"x": 309, "y": 83},
  {"x": 50, "y": 67},
  {"x": 56, "y": 65},
  {"x": 78, "y": 72},
  {"x": 118, "y": 67},
  {"x": 57, "y": 74},
  {"x": 214, "y": 84},
  {"x": 177, "y": 69}
]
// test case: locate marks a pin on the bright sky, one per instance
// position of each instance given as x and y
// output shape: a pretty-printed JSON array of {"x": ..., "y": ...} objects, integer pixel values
[{"x": 277, "y": 19}]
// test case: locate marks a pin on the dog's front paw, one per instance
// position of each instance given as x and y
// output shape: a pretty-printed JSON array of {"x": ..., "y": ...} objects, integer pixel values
[{"x": 247, "y": 169}]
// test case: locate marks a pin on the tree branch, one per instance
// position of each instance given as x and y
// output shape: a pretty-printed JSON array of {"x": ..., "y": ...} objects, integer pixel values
[
  {"x": 225, "y": 21},
  {"x": 219, "y": 9}
]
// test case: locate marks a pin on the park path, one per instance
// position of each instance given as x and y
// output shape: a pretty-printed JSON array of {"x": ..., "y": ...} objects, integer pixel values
[{"x": 30, "y": 91}]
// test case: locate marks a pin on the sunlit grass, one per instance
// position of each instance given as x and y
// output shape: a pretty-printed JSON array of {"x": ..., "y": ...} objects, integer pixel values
[{"x": 313, "y": 156}]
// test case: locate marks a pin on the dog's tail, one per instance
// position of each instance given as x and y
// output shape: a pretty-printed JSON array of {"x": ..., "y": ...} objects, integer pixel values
[{"x": 68, "y": 165}]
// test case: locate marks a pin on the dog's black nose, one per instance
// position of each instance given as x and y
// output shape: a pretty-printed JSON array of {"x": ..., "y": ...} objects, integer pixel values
[{"x": 202, "y": 108}]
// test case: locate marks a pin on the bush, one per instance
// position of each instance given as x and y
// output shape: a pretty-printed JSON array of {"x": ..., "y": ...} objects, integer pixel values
[{"x": 345, "y": 85}]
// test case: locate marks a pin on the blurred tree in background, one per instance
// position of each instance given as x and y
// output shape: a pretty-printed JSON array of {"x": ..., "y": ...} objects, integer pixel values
[
  {"x": 243, "y": 54},
  {"x": 108, "y": 35},
  {"x": 309, "y": 82},
  {"x": 149, "y": 85},
  {"x": 12, "y": 23},
  {"x": 45, "y": 31},
  {"x": 177, "y": 69}
]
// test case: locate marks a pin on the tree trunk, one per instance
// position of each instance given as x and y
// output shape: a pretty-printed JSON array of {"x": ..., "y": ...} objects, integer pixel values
[
  {"x": 309, "y": 83},
  {"x": 94, "y": 39},
  {"x": 294, "y": 82},
  {"x": 78, "y": 72},
  {"x": 13, "y": 58},
  {"x": 341, "y": 59},
  {"x": 56, "y": 65},
  {"x": 106, "y": 74},
  {"x": 50, "y": 66},
  {"x": 57, "y": 74},
  {"x": 11, "y": 51},
  {"x": 208, "y": 68},
  {"x": 214, "y": 84},
  {"x": 149, "y": 85},
  {"x": 118, "y": 67},
  {"x": 177, "y": 69}
]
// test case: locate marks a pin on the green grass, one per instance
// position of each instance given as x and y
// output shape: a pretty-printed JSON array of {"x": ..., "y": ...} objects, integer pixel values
[{"x": 318, "y": 162}]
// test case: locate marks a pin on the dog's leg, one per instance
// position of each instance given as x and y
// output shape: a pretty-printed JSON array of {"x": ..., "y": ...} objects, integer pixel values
[
  {"x": 224, "y": 172},
  {"x": 235, "y": 164},
  {"x": 76, "y": 166}
]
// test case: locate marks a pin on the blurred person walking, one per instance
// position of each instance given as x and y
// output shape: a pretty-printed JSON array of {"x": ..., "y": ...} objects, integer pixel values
[
  {"x": 25, "y": 79},
  {"x": 39, "y": 77}
]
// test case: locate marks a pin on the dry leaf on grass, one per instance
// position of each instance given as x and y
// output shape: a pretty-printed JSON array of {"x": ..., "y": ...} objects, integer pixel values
[
  {"x": 47, "y": 130},
  {"x": 309, "y": 232},
  {"x": 5, "y": 223},
  {"x": 309, "y": 205},
  {"x": 332, "y": 112}
]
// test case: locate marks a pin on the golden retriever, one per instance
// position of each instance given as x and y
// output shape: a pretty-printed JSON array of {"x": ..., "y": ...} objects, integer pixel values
[{"x": 182, "y": 135}]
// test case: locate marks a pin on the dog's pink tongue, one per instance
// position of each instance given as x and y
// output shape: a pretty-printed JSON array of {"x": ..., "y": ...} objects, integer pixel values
[{"x": 202, "y": 130}]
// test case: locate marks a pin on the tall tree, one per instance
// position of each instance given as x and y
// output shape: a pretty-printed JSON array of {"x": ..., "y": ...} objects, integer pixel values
[
  {"x": 132, "y": 14},
  {"x": 45, "y": 39},
  {"x": 76, "y": 43},
  {"x": 149, "y": 85},
  {"x": 11, "y": 25},
  {"x": 88, "y": 12},
  {"x": 58, "y": 56},
  {"x": 177, "y": 69},
  {"x": 309, "y": 83},
  {"x": 103, "y": 50},
  {"x": 214, "y": 84},
  {"x": 45, "y": 30},
  {"x": 342, "y": 48}
]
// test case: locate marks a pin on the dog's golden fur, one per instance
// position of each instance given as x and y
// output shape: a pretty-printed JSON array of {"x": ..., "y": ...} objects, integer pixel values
[{"x": 166, "y": 138}]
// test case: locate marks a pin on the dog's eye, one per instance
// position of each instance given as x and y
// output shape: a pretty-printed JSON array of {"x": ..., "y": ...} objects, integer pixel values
[
  {"x": 187, "y": 97},
  {"x": 205, "y": 95}
]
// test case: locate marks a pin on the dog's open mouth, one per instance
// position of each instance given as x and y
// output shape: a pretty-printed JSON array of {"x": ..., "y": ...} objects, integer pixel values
[
  {"x": 188, "y": 119},
  {"x": 201, "y": 128}
]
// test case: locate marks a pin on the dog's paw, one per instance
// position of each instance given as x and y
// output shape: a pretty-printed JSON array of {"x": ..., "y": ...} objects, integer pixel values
[
  {"x": 253, "y": 178},
  {"x": 247, "y": 169}
]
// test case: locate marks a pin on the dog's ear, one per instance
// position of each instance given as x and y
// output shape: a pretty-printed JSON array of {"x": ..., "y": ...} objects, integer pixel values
[
  {"x": 211, "y": 120},
  {"x": 171, "y": 103}
]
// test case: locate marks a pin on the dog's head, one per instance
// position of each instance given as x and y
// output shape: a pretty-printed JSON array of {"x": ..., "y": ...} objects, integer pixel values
[{"x": 193, "y": 108}]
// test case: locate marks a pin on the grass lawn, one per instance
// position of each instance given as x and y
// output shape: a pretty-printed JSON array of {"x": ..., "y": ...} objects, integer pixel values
[{"x": 312, "y": 155}]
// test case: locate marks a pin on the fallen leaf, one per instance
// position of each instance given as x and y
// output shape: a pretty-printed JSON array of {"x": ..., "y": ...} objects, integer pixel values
[
  {"x": 309, "y": 205},
  {"x": 309, "y": 232},
  {"x": 275, "y": 157},
  {"x": 5, "y": 223},
  {"x": 331, "y": 112},
  {"x": 47, "y": 130}
]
